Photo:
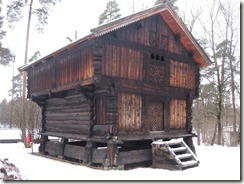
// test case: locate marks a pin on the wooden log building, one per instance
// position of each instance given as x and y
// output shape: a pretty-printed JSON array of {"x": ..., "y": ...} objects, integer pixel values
[{"x": 110, "y": 94}]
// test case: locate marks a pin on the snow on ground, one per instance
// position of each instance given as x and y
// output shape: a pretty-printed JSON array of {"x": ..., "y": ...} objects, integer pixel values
[
  {"x": 216, "y": 163},
  {"x": 7, "y": 134}
]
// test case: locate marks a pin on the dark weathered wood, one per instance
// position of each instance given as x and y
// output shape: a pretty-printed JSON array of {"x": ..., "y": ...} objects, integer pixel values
[
  {"x": 99, "y": 155},
  {"x": 68, "y": 128},
  {"x": 53, "y": 148},
  {"x": 129, "y": 86},
  {"x": 72, "y": 151},
  {"x": 135, "y": 156},
  {"x": 101, "y": 130},
  {"x": 65, "y": 135}
]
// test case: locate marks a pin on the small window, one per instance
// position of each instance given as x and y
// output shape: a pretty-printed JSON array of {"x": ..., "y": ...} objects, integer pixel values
[
  {"x": 162, "y": 58},
  {"x": 157, "y": 57}
]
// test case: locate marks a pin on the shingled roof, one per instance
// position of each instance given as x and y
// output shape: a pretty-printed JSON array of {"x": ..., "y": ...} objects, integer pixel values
[{"x": 169, "y": 16}]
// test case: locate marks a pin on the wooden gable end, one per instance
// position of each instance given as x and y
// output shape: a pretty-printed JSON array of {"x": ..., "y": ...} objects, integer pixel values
[
  {"x": 153, "y": 32},
  {"x": 149, "y": 51}
]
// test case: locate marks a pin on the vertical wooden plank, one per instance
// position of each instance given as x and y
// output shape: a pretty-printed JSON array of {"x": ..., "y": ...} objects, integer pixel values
[
  {"x": 120, "y": 108},
  {"x": 184, "y": 117},
  {"x": 175, "y": 73},
  {"x": 129, "y": 63},
  {"x": 180, "y": 75},
  {"x": 139, "y": 114},
  {"x": 171, "y": 114},
  {"x": 106, "y": 59},
  {"x": 141, "y": 59},
  {"x": 122, "y": 60},
  {"x": 122, "y": 112},
  {"x": 126, "y": 62},
  {"x": 118, "y": 66},
  {"x": 113, "y": 59},
  {"x": 180, "y": 113}
]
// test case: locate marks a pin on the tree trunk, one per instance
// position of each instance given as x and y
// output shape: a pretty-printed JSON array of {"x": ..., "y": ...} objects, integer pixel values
[
  {"x": 214, "y": 134},
  {"x": 23, "y": 119}
]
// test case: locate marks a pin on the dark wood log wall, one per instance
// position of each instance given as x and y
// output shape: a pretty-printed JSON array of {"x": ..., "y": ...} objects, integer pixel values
[
  {"x": 70, "y": 67},
  {"x": 71, "y": 114}
]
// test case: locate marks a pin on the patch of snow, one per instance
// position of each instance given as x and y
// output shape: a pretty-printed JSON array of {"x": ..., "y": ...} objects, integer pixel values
[
  {"x": 10, "y": 134},
  {"x": 216, "y": 163}
]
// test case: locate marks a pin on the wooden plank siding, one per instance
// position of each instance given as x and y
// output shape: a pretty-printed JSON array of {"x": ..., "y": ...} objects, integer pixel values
[
  {"x": 122, "y": 62},
  {"x": 143, "y": 31},
  {"x": 183, "y": 75},
  {"x": 129, "y": 116},
  {"x": 68, "y": 68},
  {"x": 177, "y": 114},
  {"x": 40, "y": 77},
  {"x": 74, "y": 67}
]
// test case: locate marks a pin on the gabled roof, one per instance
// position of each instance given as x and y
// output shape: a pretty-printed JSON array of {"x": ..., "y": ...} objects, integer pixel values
[{"x": 169, "y": 16}]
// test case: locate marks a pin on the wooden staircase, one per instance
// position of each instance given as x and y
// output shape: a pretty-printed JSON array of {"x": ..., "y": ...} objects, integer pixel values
[{"x": 173, "y": 154}]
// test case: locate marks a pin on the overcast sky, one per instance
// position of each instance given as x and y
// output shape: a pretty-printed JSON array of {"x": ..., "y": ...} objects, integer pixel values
[{"x": 65, "y": 18}]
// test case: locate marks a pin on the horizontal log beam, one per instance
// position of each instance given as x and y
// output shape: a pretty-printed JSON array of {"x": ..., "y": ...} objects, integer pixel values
[
  {"x": 68, "y": 128},
  {"x": 148, "y": 49},
  {"x": 130, "y": 136},
  {"x": 135, "y": 156},
  {"x": 65, "y": 135}
]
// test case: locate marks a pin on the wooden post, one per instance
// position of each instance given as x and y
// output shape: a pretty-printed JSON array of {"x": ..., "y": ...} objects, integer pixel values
[
  {"x": 189, "y": 142},
  {"x": 44, "y": 139},
  {"x": 63, "y": 143},
  {"x": 88, "y": 153}
]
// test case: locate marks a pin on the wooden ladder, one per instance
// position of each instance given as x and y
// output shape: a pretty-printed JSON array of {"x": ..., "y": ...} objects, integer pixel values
[{"x": 179, "y": 151}]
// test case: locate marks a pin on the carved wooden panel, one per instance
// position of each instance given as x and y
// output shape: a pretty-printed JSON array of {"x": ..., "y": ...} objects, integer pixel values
[
  {"x": 164, "y": 42},
  {"x": 154, "y": 116},
  {"x": 153, "y": 38},
  {"x": 156, "y": 74}
]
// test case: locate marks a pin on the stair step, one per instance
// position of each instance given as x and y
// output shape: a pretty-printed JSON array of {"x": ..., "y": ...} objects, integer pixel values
[
  {"x": 179, "y": 149},
  {"x": 187, "y": 155},
  {"x": 189, "y": 163},
  {"x": 173, "y": 143}
]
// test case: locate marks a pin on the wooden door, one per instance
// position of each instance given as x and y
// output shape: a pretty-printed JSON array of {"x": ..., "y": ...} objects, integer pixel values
[{"x": 154, "y": 119}]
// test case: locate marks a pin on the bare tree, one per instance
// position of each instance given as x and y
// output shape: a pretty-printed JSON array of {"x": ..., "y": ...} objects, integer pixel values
[
  {"x": 215, "y": 33},
  {"x": 136, "y": 5},
  {"x": 14, "y": 14},
  {"x": 232, "y": 28}
]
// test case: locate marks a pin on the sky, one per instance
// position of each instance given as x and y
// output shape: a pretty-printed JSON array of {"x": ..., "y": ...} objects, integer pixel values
[{"x": 66, "y": 18}]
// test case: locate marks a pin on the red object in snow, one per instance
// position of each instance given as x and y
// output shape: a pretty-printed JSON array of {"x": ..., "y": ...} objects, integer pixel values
[{"x": 28, "y": 137}]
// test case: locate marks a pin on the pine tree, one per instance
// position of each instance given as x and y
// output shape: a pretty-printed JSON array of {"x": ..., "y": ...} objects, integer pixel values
[
  {"x": 15, "y": 11},
  {"x": 111, "y": 12},
  {"x": 5, "y": 55}
]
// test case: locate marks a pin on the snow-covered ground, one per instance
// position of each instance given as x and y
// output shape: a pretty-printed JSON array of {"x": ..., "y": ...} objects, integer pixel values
[{"x": 216, "y": 163}]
